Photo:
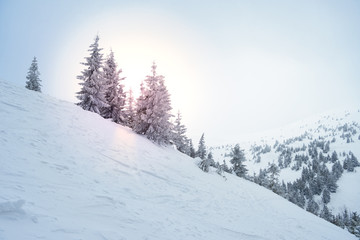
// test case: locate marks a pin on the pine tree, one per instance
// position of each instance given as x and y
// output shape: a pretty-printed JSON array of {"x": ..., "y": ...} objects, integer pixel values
[
  {"x": 211, "y": 159},
  {"x": 337, "y": 170},
  {"x": 153, "y": 110},
  {"x": 326, "y": 196},
  {"x": 326, "y": 214},
  {"x": 91, "y": 95},
  {"x": 129, "y": 109},
  {"x": 263, "y": 179},
  {"x": 219, "y": 169},
  {"x": 238, "y": 158},
  {"x": 201, "y": 152},
  {"x": 225, "y": 167},
  {"x": 354, "y": 222},
  {"x": 33, "y": 80},
  {"x": 273, "y": 171},
  {"x": 300, "y": 199},
  {"x": 312, "y": 207},
  {"x": 179, "y": 138},
  {"x": 334, "y": 157},
  {"x": 350, "y": 162},
  {"x": 204, "y": 165},
  {"x": 114, "y": 91},
  {"x": 140, "y": 124},
  {"x": 191, "y": 149}
]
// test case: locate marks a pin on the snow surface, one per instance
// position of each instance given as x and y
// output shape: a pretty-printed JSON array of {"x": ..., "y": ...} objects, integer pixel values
[{"x": 69, "y": 174}]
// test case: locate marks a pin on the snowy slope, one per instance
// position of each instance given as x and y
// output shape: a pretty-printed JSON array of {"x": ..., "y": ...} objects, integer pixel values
[
  {"x": 69, "y": 174},
  {"x": 324, "y": 127}
]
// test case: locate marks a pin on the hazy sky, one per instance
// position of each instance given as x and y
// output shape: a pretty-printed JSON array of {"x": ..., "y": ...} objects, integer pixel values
[{"x": 232, "y": 67}]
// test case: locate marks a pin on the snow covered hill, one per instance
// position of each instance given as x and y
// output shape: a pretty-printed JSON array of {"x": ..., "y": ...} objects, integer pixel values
[
  {"x": 69, "y": 174},
  {"x": 304, "y": 143}
]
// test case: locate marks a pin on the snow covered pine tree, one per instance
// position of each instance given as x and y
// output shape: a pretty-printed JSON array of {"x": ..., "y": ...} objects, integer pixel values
[
  {"x": 238, "y": 158},
  {"x": 153, "y": 109},
  {"x": 114, "y": 91},
  {"x": 201, "y": 152},
  {"x": 129, "y": 109},
  {"x": 179, "y": 137},
  {"x": 33, "y": 82},
  {"x": 91, "y": 95}
]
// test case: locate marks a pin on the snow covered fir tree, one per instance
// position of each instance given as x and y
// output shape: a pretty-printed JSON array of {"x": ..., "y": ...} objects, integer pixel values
[
  {"x": 201, "y": 152},
  {"x": 238, "y": 159},
  {"x": 33, "y": 79},
  {"x": 129, "y": 109},
  {"x": 92, "y": 93},
  {"x": 153, "y": 109},
  {"x": 179, "y": 135},
  {"x": 114, "y": 91}
]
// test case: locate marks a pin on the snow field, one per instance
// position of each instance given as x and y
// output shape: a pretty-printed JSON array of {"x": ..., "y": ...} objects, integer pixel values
[{"x": 69, "y": 174}]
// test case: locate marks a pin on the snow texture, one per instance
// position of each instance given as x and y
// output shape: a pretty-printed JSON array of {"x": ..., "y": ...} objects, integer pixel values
[{"x": 78, "y": 176}]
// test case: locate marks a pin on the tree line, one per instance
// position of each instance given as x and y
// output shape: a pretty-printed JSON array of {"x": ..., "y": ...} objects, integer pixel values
[{"x": 150, "y": 114}]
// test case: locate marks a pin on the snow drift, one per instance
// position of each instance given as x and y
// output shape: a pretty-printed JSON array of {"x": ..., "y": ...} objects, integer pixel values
[{"x": 69, "y": 174}]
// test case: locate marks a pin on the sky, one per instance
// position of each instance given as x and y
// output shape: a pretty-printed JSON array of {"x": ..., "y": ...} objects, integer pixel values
[{"x": 233, "y": 68}]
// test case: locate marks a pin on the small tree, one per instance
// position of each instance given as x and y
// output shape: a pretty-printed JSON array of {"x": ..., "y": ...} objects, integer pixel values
[
  {"x": 191, "y": 149},
  {"x": 33, "y": 80},
  {"x": 179, "y": 136},
  {"x": 326, "y": 214},
  {"x": 273, "y": 176},
  {"x": 334, "y": 157},
  {"x": 238, "y": 158},
  {"x": 201, "y": 152},
  {"x": 129, "y": 109},
  {"x": 354, "y": 224},
  {"x": 337, "y": 170},
  {"x": 312, "y": 207},
  {"x": 326, "y": 196}
]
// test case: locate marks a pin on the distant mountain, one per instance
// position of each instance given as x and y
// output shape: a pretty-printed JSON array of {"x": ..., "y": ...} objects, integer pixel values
[
  {"x": 69, "y": 174},
  {"x": 318, "y": 163}
]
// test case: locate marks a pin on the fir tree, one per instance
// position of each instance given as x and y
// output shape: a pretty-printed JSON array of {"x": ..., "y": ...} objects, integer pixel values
[
  {"x": 238, "y": 158},
  {"x": 263, "y": 179},
  {"x": 91, "y": 95},
  {"x": 326, "y": 214},
  {"x": 211, "y": 160},
  {"x": 354, "y": 223},
  {"x": 129, "y": 109},
  {"x": 114, "y": 91},
  {"x": 334, "y": 157},
  {"x": 201, "y": 152},
  {"x": 206, "y": 163},
  {"x": 33, "y": 80},
  {"x": 191, "y": 149},
  {"x": 326, "y": 196},
  {"x": 346, "y": 218},
  {"x": 312, "y": 207},
  {"x": 273, "y": 171},
  {"x": 140, "y": 123},
  {"x": 179, "y": 137},
  {"x": 225, "y": 167},
  {"x": 337, "y": 170},
  {"x": 153, "y": 109}
]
